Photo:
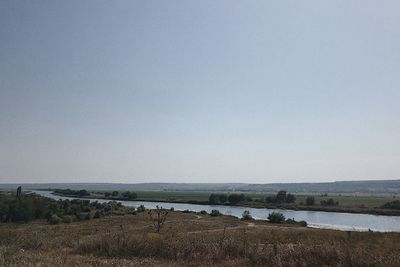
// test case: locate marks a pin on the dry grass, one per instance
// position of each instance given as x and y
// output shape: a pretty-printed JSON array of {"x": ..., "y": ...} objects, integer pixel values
[{"x": 187, "y": 240}]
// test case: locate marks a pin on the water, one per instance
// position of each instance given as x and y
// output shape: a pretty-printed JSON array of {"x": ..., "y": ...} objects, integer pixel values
[{"x": 316, "y": 219}]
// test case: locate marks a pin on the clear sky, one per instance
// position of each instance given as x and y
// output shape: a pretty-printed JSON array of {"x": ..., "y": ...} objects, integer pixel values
[{"x": 199, "y": 91}]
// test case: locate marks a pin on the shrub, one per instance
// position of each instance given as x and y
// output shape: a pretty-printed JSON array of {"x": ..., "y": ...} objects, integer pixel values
[
  {"x": 158, "y": 216},
  {"x": 54, "y": 219},
  {"x": 141, "y": 208},
  {"x": 246, "y": 215},
  {"x": 276, "y": 217},
  {"x": 98, "y": 214},
  {"x": 172, "y": 209},
  {"x": 215, "y": 213},
  {"x": 203, "y": 212}
]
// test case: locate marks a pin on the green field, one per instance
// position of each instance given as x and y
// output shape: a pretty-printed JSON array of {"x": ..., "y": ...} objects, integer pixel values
[{"x": 371, "y": 201}]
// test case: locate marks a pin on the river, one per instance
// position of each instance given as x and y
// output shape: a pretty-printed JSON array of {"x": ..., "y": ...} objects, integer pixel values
[{"x": 316, "y": 219}]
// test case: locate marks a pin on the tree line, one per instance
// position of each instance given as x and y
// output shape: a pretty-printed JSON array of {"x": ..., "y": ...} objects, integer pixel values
[{"x": 19, "y": 207}]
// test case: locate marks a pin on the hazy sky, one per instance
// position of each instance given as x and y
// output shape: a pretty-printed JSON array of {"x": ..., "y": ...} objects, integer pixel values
[{"x": 199, "y": 91}]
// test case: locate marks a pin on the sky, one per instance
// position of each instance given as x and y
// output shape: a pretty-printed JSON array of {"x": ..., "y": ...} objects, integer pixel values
[{"x": 199, "y": 91}]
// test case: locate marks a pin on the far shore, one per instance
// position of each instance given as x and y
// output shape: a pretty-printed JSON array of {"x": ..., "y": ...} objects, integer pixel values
[{"x": 258, "y": 205}]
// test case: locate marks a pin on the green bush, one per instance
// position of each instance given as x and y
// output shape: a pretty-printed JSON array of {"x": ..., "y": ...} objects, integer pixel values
[
  {"x": 54, "y": 219},
  {"x": 246, "y": 215},
  {"x": 276, "y": 217},
  {"x": 141, "y": 208},
  {"x": 215, "y": 213}
]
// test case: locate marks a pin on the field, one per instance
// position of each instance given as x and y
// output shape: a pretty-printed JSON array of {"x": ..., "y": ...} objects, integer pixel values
[{"x": 190, "y": 240}]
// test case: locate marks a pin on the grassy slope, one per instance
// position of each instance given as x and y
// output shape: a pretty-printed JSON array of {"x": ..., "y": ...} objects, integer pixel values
[{"x": 189, "y": 239}]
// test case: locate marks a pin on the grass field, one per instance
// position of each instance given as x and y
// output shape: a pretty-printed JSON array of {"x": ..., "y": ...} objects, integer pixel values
[{"x": 190, "y": 240}]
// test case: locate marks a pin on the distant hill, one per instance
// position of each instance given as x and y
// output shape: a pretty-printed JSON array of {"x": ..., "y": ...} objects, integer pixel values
[{"x": 372, "y": 186}]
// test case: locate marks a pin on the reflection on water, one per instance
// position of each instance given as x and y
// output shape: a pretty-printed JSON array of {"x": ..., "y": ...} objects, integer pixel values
[{"x": 318, "y": 219}]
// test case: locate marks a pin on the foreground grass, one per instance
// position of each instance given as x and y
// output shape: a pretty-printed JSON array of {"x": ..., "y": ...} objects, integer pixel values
[{"x": 190, "y": 240}]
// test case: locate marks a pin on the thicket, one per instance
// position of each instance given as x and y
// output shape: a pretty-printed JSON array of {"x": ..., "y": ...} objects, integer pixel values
[{"x": 281, "y": 197}]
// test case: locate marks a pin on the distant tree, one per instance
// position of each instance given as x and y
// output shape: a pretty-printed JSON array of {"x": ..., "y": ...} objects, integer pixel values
[
  {"x": 114, "y": 193},
  {"x": 83, "y": 193},
  {"x": 290, "y": 198},
  {"x": 107, "y": 194},
  {"x": 222, "y": 198},
  {"x": 281, "y": 196},
  {"x": 158, "y": 216},
  {"x": 249, "y": 198},
  {"x": 129, "y": 195},
  {"x": 276, "y": 217},
  {"x": 310, "y": 200},
  {"x": 392, "y": 205},
  {"x": 246, "y": 215},
  {"x": 270, "y": 199},
  {"x": 236, "y": 198},
  {"x": 217, "y": 198},
  {"x": 213, "y": 199},
  {"x": 19, "y": 192},
  {"x": 329, "y": 202}
]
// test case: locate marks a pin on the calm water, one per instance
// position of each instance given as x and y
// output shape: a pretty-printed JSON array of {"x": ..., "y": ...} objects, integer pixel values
[{"x": 318, "y": 219}]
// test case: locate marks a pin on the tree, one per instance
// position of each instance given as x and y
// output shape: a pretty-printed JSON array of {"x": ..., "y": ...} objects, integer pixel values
[
  {"x": 329, "y": 202},
  {"x": 236, "y": 198},
  {"x": 158, "y": 216},
  {"x": 83, "y": 193},
  {"x": 114, "y": 193},
  {"x": 222, "y": 198},
  {"x": 290, "y": 198},
  {"x": 276, "y": 217},
  {"x": 129, "y": 195},
  {"x": 281, "y": 196},
  {"x": 19, "y": 192},
  {"x": 249, "y": 198},
  {"x": 270, "y": 199},
  {"x": 213, "y": 199},
  {"x": 310, "y": 201},
  {"x": 217, "y": 198}
]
